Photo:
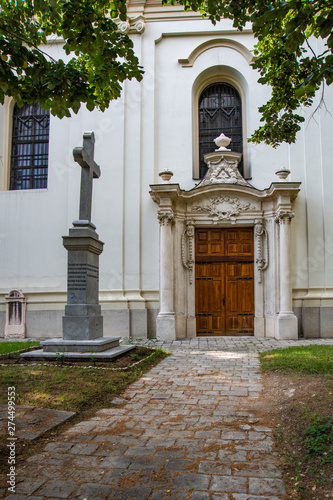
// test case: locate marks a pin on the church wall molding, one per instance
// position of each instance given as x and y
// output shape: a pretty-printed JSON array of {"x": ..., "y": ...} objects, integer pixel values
[{"x": 213, "y": 43}]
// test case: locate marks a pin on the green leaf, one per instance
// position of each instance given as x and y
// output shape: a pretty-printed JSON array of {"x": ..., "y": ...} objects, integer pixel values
[{"x": 90, "y": 105}]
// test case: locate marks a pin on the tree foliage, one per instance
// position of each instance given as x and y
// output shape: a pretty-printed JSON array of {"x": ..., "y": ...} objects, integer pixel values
[
  {"x": 285, "y": 56},
  {"x": 98, "y": 57}
]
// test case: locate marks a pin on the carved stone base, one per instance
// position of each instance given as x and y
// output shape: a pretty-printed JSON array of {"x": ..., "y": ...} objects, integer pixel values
[
  {"x": 259, "y": 327},
  {"x": 15, "y": 332},
  {"x": 82, "y": 322},
  {"x": 166, "y": 326},
  {"x": 191, "y": 327},
  {"x": 286, "y": 327}
]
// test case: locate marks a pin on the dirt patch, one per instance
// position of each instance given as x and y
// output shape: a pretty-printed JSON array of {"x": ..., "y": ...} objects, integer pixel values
[
  {"x": 135, "y": 355},
  {"x": 289, "y": 405}
]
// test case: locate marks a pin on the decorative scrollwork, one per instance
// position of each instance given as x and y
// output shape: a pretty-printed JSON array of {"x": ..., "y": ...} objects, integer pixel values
[
  {"x": 262, "y": 259},
  {"x": 188, "y": 256},
  {"x": 132, "y": 26},
  {"x": 223, "y": 208},
  {"x": 140, "y": 26},
  {"x": 124, "y": 27},
  {"x": 285, "y": 217},
  {"x": 166, "y": 218}
]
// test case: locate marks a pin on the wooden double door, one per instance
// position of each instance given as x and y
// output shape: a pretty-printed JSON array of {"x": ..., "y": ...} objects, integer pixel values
[{"x": 224, "y": 280}]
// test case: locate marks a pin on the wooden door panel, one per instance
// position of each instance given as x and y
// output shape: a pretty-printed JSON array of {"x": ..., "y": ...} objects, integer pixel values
[
  {"x": 202, "y": 271},
  {"x": 204, "y": 323},
  {"x": 203, "y": 305},
  {"x": 216, "y": 296},
  {"x": 231, "y": 298},
  {"x": 245, "y": 297},
  {"x": 215, "y": 270},
  {"x": 218, "y": 323},
  {"x": 224, "y": 284},
  {"x": 245, "y": 270},
  {"x": 209, "y": 242},
  {"x": 245, "y": 323}
]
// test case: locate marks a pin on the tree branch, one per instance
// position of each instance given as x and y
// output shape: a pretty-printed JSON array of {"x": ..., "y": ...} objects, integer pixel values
[
  {"x": 2, "y": 28},
  {"x": 321, "y": 103}
]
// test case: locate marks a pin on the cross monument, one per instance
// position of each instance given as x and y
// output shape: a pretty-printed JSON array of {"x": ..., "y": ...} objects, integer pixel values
[
  {"x": 84, "y": 156},
  {"x": 82, "y": 324}
]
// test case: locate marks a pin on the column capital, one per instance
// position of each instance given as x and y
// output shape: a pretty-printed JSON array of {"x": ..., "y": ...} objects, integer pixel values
[
  {"x": 285, "y": 217},
  {"x": 166, "y": 218}
]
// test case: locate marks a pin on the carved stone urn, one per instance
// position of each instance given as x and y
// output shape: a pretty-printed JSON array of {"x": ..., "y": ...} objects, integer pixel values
[
  {"x": 282, "y": 174},
  {"x": 222, "y": 141},
  {"x": 166, "y": 176}
]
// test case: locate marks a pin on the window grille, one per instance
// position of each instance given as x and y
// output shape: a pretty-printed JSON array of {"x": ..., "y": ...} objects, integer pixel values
[
  {"x": 220, "y": 110},
  {"x": 30, "y": 147}
]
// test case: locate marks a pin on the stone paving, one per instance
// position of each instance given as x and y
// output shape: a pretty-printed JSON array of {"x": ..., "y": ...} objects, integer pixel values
[{"x": 188, "y": 429}]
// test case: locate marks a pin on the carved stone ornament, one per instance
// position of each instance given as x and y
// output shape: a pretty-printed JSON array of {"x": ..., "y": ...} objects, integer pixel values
[
  {"x": 187, "y": 249},
  {"x": 223, "y": 169},
  {"x": 166, "y": 218},
  {"x": 285, "y": 217},
  {"x": 132, "y": 26},
  {"x": 124, "y": 27},
  {"x": 262, "y": 259},
  {"x": 223, "y": 208},
  {"x": 222, "y": 141}
]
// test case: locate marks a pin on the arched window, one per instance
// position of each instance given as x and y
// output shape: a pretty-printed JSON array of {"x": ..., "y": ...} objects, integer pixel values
[
  {"x": 220, "y": 110},
  {"x": 30, "y": 147}
]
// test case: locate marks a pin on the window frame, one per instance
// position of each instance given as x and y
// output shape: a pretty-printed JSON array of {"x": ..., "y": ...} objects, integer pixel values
[
  {"x": 31, "y": 148},
  {"x": 218, "y": 77},
  {"x": 5, "y": 175}
]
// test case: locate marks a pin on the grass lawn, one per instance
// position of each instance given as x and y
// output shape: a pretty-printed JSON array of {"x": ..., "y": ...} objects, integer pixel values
[
  {"x": 303, "y": 359},
  {"x": 48, "y": 385},
  {"x": 302, "y": 401},
  {"x": 6, "y": 347}
]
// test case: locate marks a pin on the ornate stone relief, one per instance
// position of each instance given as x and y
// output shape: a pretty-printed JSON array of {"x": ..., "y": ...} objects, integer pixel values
[
  {"x": 166, "y": 218},
  {"x": 285, "y": 217},
  {"x": 223, "y": 169},
  {"x": 262, "y": 259},
  {"x": 223, "y": 208},
  {"x": 135, "y": 25},
  {"x": 187, "y": 243}
]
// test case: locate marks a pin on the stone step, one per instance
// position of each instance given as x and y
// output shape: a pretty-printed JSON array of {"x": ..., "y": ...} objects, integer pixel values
[
  {"x": 76, "y": 350},
  {"x": 41, "y": 355},
  {"x": 92, "y": 345}
]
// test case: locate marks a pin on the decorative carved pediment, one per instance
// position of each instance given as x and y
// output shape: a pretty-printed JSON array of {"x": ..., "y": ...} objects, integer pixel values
[
  {"x": 223, "y": 207},
  {"x": 223, "y": 169}
]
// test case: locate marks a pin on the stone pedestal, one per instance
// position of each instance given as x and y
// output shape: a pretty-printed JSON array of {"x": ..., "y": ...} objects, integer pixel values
[
  {"x": 286, "y": 327},
  {"x": 83, "y": 319},
  {"x": 166, "y": 326}
]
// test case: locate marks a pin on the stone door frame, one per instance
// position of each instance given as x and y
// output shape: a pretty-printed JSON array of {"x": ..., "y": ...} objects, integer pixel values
[{"x": 268, "y": 211}]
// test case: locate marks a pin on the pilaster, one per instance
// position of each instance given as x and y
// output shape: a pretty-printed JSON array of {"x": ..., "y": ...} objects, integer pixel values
[{"x": 286, "y": 322}]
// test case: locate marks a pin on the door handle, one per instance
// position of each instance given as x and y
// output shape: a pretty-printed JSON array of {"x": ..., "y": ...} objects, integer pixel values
[{"x": 223, "y": 301}]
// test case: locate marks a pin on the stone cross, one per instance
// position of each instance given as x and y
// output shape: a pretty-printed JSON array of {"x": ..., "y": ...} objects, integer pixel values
[{"x": 84, "y": 156}]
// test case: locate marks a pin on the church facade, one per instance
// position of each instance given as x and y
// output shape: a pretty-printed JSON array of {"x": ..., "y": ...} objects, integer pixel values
[{"x": 201, "y": 238}]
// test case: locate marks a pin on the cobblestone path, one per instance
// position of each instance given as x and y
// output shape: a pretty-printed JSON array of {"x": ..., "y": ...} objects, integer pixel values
[{"x": 187, "y": 430}]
